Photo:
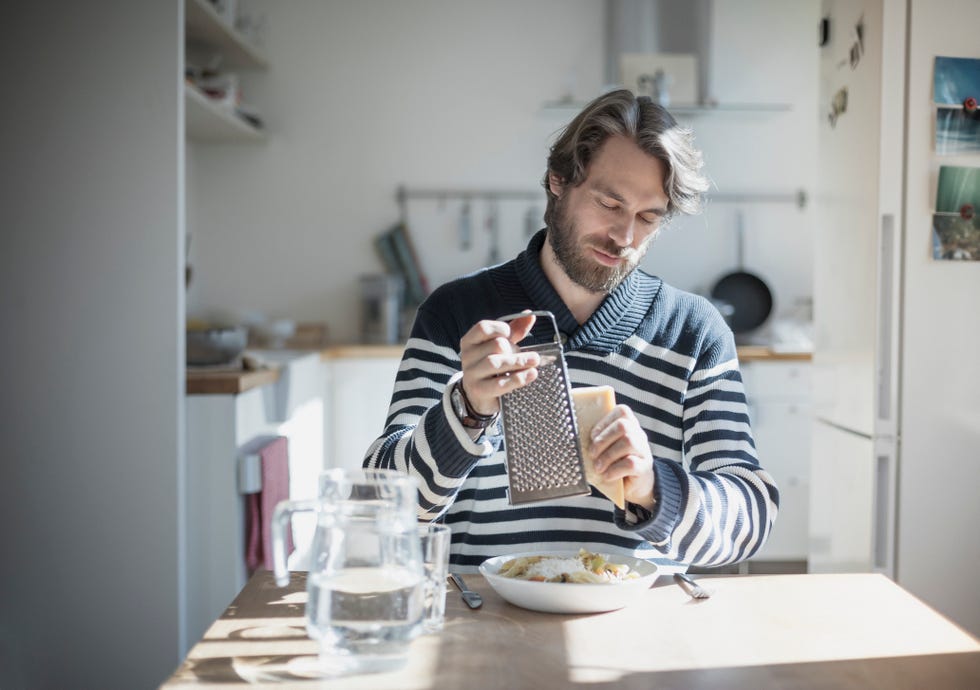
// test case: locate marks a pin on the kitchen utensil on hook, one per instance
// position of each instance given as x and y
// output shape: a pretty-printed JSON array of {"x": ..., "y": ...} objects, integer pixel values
[
  {"x": 544, "y": 459},
  {"x": 465, "y": 226},
  {"x": 493, "y": 230},
  {"x": 532, "y": 221},
  {"x": 747, "y": 293}
]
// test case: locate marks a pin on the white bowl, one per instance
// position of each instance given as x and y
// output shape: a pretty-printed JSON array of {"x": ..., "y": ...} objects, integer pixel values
[{"x": 569, "y": 597}]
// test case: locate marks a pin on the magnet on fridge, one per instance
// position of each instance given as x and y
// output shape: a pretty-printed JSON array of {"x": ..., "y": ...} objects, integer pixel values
[{"x": 824, "y": 34}]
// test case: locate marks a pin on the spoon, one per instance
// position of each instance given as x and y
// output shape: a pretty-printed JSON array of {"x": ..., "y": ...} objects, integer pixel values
[{"x": 472, "y": 599}]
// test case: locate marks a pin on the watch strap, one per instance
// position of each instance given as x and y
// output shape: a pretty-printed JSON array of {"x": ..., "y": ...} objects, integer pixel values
[{"x": 471, "y": 419}]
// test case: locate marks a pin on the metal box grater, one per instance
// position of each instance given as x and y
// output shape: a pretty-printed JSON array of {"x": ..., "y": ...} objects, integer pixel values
[{"x": 544, "y": 460}]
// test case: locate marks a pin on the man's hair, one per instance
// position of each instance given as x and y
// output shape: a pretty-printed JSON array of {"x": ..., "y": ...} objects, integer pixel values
[{"x": 650, "y": 126}]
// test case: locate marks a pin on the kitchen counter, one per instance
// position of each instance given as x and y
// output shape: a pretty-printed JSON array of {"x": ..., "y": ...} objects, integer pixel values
[
  {"x": 206, "y": 381},
  {"x": 363, "y": 351},
  {"x": 746, "y": 353},
  {"x": 756, "y": 631},
  {"x": 763, "y": 353},
  {"x": 227, "y": 382},
  {"x": 233, "y": 382}
]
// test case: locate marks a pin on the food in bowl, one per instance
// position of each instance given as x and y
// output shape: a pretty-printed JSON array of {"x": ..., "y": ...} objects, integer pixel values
[
  {"x": 586, "y": 567},
  {"x": 569, "y": 597}
]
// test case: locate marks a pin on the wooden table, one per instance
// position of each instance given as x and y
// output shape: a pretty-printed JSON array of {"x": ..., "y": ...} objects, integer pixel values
[{"x": 765, "y": 631}]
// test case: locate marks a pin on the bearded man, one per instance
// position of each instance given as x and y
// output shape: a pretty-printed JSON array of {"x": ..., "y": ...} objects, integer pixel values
[{"x": 679, "y": 437}]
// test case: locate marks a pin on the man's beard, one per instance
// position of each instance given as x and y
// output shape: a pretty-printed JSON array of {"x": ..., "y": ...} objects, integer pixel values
[{"x": 583, "y": 270}]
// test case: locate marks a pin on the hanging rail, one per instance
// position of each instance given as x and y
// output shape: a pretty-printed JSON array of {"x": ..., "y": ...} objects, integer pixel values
[
  {"x": 403, "y": 194},
  {"x": 797, "y": 197}
]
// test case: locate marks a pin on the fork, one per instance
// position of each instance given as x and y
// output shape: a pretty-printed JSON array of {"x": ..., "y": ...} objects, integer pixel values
[
  {"x": 472, "y": 599},
  {"x": 695, "y": 590}
]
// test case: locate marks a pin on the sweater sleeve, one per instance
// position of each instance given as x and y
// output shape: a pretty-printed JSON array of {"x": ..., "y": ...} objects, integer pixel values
[
  {"x": 719, "y": 505},
  {"x": 422, "y": 434}
]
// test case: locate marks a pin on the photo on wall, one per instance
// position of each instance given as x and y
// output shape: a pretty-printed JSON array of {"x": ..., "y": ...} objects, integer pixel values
[
  {"x": 955, "y": 223},
  {"x": 956, "y": 89}
]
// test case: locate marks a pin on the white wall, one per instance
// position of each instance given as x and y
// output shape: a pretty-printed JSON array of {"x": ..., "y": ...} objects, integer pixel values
[
  {"x": 362, "y": 97},
  {"x": 940, "y": 405},
  {"x": 91, "y": 305},
  {"x": 763, "y": 52}
]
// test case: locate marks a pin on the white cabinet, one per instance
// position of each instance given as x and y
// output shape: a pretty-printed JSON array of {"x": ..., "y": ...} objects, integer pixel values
[
  {"x": 220, "y": 429},
  {"x": 841, "y": 534},
  {"x": 779, "y": 398},
  {"x": 359, "y": 387}
]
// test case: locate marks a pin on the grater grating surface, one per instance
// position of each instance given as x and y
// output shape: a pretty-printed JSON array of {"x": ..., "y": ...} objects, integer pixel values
[{"x": 544, "y": 460}]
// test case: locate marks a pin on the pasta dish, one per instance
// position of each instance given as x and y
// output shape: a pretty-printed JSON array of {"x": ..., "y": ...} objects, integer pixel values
[{"x": 587, "y": 567}]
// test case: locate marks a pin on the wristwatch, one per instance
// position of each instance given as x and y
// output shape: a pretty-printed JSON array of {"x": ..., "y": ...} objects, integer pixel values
[{"x": 467, "y": 416}]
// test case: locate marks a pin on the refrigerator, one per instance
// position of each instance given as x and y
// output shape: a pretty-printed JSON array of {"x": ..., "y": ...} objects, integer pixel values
[{"x": 895, "y": 461}]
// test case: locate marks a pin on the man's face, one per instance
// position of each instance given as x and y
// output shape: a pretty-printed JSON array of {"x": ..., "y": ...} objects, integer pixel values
[{"x": 604, "y": 226}]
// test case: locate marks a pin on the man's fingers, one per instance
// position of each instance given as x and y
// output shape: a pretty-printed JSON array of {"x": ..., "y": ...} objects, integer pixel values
[
  {"x": 508, "y": 363},
  {"x": 491, "y": 361},
  {"x": 487, "y": 330},
  {"x": 484, "y": 331},
  {"x": 520, "y": 327},
  {"x": 607, "y": 457},
  {"x": 495, "y": 357},
  {"x": 507, "y": 383},
  {"x": 609, "y": 430}
]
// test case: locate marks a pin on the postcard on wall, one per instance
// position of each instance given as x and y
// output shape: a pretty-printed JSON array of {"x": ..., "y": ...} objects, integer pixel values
[
  {"x": 956, "y": 90},
  {"x": 956, "y": 223}
]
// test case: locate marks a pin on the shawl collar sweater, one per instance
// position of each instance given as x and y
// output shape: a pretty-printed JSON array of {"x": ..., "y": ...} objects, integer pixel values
[{"x": 668, "y": 355}]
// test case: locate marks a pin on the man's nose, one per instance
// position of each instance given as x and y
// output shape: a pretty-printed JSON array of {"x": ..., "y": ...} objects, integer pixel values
[{"x": 622, "y": 233}]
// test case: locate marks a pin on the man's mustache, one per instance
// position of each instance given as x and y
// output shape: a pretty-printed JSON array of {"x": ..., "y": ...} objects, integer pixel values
[{"x": 613, "y": 250}]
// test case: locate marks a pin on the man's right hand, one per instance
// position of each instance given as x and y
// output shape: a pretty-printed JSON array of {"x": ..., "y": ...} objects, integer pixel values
[{"x": 492, "y": 364}]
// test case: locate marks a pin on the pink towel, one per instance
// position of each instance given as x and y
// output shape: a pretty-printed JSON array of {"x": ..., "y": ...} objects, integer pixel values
[{"x": 260, "y": 506}]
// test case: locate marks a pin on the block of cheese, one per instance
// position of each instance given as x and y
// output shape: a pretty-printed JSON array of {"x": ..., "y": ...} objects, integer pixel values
[{"x": 592, "y": 404}]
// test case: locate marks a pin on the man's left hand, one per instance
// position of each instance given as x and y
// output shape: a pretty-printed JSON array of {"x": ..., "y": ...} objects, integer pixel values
[{"x": 620, "y": 451}]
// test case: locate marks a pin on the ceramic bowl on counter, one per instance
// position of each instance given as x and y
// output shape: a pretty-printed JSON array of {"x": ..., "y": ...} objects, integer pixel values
[
  {"x": 215, "y": 346},
  {"x": 569, "y": 597}
]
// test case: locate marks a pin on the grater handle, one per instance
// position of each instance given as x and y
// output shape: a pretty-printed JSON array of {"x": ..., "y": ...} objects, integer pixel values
[{"x": 540, "y": 312}]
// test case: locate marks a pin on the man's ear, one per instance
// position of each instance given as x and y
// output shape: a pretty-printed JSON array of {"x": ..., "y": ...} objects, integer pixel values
[{"x": 555, "y": 184}]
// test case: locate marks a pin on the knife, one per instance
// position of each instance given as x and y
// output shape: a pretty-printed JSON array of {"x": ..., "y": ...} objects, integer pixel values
[{"x": 472, "y": 599}]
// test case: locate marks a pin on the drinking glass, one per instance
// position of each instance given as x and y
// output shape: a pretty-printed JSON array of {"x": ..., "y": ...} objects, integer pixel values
[
  {"x": 434, "y": 541},
  {"x": 366, "y": 579}
]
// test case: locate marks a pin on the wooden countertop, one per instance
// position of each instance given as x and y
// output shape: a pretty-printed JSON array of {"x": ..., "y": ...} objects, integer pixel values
[
  {"x": 762, "y": 353},
  {"x": 746, "y": 353},
  {"x": 206, "y": 381},
  {"x": 361, "y": 351},
  {"x": 233, "y": 382},
  {"x": 227, "y": 382},
  {"x": 770, "y": 631}
]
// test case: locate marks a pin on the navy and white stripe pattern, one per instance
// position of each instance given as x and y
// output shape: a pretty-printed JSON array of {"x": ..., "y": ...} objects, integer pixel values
[{"x": 669, "y": 357}]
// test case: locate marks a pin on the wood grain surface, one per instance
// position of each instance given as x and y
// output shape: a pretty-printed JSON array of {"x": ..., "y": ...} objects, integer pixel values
[
  {"x": 756, "y": 631},
  {"x": 204, "y": 382}
]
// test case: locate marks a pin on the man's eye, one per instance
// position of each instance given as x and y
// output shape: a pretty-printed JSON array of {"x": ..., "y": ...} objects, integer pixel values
[{"x": 606, "y": 204}]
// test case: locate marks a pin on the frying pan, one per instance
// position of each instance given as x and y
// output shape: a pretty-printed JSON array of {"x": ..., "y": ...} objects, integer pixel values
[{"x": 747, "y": 293}]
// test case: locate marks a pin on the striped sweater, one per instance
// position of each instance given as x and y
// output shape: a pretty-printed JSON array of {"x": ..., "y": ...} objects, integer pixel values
[{"x": 670, "y": 358}]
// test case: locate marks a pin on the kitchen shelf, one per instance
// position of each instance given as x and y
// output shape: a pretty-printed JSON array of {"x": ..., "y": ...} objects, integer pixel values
[
  {"x": 205, "y": 27},
  {"x": 208, "y": 121}
]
